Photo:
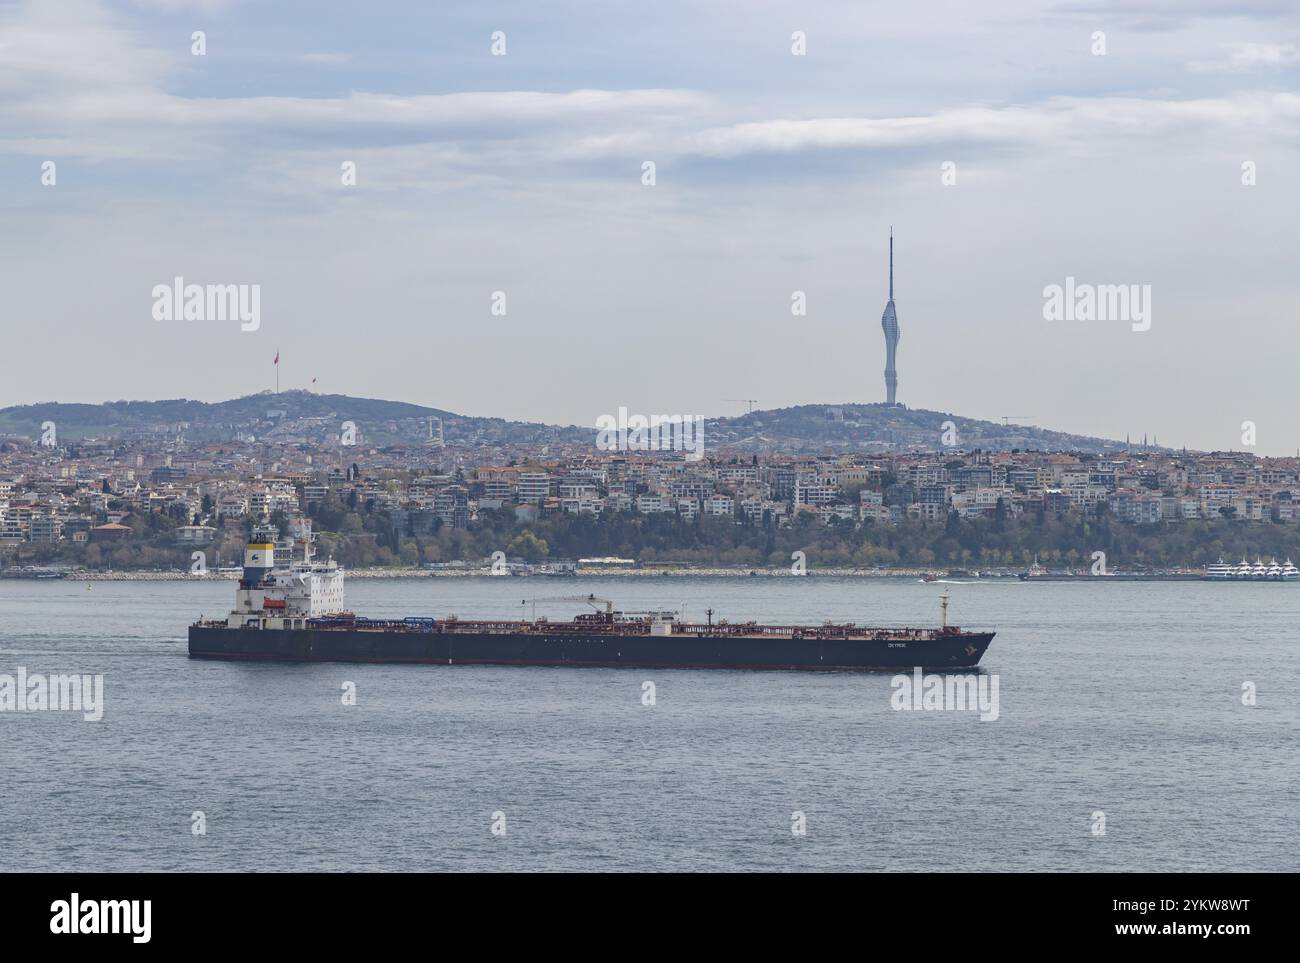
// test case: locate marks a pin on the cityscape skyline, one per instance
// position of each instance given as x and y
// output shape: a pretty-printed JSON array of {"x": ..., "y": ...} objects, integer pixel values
[{"x": 150, "y": 499}]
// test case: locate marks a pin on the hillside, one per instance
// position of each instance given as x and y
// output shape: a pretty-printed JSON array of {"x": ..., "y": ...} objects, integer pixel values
[
  {"x": 288, "y": 415},
  {"x": 879, "y": 427},
  {"x": 304, "y": 416}
]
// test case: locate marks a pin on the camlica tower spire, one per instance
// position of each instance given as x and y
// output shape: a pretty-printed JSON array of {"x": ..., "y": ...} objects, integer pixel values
[{"x": 889, "y": 324}]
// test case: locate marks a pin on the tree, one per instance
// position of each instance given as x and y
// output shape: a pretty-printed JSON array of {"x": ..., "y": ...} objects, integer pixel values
[{"x": 528, "y": 546}]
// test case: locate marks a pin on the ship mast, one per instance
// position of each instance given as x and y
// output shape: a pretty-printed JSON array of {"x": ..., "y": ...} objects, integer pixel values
[{"x": 943, "y": 604}]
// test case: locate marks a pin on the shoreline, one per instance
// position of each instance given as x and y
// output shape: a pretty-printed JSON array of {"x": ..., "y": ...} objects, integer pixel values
[
  {"x": 399, "y": 573},
  {"x": 938, "y": 577}
]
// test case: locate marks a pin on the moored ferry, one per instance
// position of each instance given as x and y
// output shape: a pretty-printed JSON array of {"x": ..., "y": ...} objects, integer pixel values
[{"x": 1222, "y": 571}]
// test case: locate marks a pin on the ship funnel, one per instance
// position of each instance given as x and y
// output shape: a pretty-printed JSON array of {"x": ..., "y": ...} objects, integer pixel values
[{"x": 259, "y": 560}]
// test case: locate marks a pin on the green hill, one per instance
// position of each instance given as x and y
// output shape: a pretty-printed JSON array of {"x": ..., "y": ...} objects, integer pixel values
[{"x": 304, "y": 416}]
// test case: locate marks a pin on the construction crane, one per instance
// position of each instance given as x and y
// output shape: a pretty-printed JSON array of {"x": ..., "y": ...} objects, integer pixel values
[
  {"x": 748, "y": 401},
  {"x": 592, "y": 600},
  {"x": 1007, "y": 418}
]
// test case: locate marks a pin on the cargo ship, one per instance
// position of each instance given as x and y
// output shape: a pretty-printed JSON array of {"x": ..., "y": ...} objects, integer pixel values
[{"x": 295, "y": 613}]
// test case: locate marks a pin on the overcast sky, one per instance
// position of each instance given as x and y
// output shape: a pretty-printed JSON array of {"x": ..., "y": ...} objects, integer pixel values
[{"x": 775, "y": 173}]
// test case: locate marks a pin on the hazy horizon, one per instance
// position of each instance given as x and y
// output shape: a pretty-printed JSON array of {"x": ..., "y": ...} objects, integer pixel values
[{"x": 775, "y": 173}]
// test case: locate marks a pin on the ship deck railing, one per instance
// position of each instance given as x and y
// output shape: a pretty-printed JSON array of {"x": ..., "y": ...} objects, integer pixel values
[
  {"x": 635, "y": 628},
  {"x": 749, "y": 630}
]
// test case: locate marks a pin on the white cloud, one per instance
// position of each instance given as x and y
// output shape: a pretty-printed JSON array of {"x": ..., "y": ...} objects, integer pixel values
[
  {"x": 1245, "y": 57},
  {"x": 1052, "y": 123},
  {"x": 1155, "y": 15},
  {"x": 97, "y": 89},
  {"x": 185, "y": 6},
  {"x": 330, "y": 59},
  {"x": 47, "y": 49}
]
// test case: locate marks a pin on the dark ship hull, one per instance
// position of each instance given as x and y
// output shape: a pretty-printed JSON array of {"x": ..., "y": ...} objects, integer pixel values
[{"x": 939, "y": 649}]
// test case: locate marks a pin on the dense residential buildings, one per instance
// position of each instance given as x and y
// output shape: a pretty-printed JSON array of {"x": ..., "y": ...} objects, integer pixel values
[{"x": 104, "y": 492}]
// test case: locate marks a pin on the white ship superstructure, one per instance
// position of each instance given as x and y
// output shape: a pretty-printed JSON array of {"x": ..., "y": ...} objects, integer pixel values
[
  {"x": 271, "y": 597},
  {"x": 1222, "y": 571}
]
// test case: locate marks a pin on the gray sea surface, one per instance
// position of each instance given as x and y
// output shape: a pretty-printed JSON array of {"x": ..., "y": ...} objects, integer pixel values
[{"x": 1118, "y": 698}]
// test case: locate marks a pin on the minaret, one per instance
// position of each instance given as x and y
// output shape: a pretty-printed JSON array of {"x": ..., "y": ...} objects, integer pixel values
[{"x": 889, "y": 323}]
